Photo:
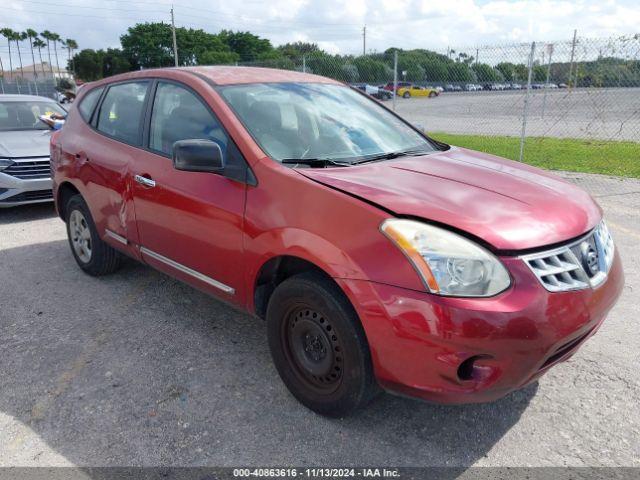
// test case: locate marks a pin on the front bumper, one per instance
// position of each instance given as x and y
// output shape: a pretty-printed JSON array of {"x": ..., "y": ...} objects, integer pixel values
[
  {"x": 21, "y": 191},
  {"x": 419, "y": 342}
]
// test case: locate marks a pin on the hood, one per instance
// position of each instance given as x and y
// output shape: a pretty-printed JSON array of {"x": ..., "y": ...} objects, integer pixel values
[
  {"x": 509, "y": 205},
  {"x": 25, "y": 143}
]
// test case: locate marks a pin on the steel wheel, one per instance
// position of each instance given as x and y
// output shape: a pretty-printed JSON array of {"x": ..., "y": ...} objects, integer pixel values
[
  {"x": 314, "y": 349},
  {"x": 80, "y": 236},
  {"x": 318, "y": 345}
]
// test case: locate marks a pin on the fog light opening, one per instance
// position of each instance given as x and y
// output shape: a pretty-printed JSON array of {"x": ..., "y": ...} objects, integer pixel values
[{"x": 468, "y": 370}]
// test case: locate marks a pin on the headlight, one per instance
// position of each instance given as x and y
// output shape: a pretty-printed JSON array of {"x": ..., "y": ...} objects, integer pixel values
[
  {"x": 448, "y": 263},
  {"x": 5, "y": 163}
]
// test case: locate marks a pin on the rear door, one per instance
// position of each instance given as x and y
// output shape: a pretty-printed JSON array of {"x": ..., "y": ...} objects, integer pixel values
[
  {"x": 190, "y": 223},
  {"x": 102, "y": 148}
]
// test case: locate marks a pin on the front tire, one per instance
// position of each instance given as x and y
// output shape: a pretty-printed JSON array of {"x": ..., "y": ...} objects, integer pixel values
[
  {"x": 92, "y": 255},
  {"x": 406, "y": 95},
  {"x": 318, "y": 346}
]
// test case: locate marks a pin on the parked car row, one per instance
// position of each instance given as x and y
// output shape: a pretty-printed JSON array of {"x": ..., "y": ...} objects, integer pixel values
[
  {"x": 537, "y": 86},
  {"x": 403, "y": 89},
  {"x": 476, "y": 87},
  {"x": 410, "y": 89}
]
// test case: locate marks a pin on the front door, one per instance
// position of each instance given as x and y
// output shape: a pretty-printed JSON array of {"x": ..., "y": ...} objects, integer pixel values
[{"x": 190, "y": 223}]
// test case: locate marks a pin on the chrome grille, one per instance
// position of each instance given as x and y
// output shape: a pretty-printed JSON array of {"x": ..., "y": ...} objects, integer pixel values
[
  {"x": 29, "y": 169},
  {"x": 32, "y": 196},
  {"x": 567, "y": 268}
]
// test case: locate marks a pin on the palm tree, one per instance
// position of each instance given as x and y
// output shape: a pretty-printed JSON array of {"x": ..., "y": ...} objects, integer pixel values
[
  {"x": 71, "y": 45},
  {"x": 31, "y": 34},
  {"x": 55, "y": 38},
  {"x": 39, "y": 44},
  {"x": 47, "y": 35},
  {"x": 8, "y": 34},
  {"x": 18, "y": 37}
]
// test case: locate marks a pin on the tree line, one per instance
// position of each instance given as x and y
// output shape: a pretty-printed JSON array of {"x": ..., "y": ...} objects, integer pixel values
[
  {"x": 38, "y": 41},
  {"x": 150, "y": 45}
]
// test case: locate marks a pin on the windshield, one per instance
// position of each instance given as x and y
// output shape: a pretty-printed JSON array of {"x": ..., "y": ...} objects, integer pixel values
[
  {"x": 319, "y": 121},
  {"x": 23, "y": 115}
]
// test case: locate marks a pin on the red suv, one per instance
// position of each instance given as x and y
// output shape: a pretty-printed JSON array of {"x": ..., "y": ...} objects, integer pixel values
[
  {"x": 389, "y": 86},
  {"x": 377, "y": 256}
]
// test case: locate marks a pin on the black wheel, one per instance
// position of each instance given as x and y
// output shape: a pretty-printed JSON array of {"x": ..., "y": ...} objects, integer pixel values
[
  {"x": 406, "y": 95},
  {"x": 432, "y": 94},
  {"x": 318, "y": 346},
  {"x": 93, "y": 255}
]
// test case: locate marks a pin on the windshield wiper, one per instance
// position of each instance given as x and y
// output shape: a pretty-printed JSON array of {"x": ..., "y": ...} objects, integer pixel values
[
  {"x": 315, "y": 162},
  {"x": 392, "y": 155}
]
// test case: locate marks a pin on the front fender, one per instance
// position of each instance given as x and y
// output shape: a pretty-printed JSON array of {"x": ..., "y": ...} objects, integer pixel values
[
  {"x": 290, "y": 214},
  {"x": 302, "y": 244}
]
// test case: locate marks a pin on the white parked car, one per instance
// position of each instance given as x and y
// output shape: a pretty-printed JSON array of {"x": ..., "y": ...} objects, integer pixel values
[
  {"x": 376, "y": 92},
  {"x": 25, "y": 175}
]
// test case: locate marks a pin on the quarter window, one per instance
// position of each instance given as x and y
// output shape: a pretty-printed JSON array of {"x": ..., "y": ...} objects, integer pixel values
[
  {"x": 121, "y": 111},
  {"x": 89, "y": 102},
  {"x": 178, "y": 114}
]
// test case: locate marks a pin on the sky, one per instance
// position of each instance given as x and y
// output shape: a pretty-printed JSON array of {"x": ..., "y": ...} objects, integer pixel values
[{"x": 336, "y": 25}]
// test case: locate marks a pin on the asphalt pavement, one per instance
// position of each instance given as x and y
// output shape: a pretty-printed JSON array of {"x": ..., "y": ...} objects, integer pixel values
[
  {"x": 588, "y": 113},
  {"x": 139, "y": 369}
]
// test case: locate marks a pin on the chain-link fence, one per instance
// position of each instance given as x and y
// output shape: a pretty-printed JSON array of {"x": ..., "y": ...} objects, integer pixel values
[
  {"x": 44, "y": 88},
  {"x": 520, "y": 101},
  {"x": 521, "y": 95}
]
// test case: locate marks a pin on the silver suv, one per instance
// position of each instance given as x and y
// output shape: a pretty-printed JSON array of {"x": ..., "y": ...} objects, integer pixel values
[{"x": 25, "y": 176}]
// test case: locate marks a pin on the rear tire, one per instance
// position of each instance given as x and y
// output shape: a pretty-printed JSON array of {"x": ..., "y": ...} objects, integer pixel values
[
  {"x": 92, "y": 255},
  {"x": 406, "y": 95},
  {"x": 432, "y": 94},
  {"x": 319, "y": 347}
]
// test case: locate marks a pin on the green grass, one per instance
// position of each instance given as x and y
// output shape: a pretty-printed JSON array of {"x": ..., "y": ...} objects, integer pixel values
[{"x": 590, "y": 156}]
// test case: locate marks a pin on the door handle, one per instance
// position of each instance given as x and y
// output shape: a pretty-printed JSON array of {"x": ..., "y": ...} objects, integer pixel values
[{"x": 147, "y": 182}]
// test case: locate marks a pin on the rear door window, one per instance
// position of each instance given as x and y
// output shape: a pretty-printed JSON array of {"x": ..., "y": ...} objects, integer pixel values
[
  {"x": 89, "y": 102},
  {"x": 121, "y": 111}
]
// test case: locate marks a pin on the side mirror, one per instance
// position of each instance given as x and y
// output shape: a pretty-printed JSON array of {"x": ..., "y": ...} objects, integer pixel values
[{"x": 198, "y": 156}]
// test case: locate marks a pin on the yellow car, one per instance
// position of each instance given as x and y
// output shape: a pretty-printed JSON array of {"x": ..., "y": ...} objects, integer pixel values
[{"x": 416, "y": 91}]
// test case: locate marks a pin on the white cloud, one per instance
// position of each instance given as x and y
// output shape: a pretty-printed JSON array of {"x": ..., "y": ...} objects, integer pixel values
[
  {"x": 337, "y": 24},
  {"x": 330, "y": 47}
]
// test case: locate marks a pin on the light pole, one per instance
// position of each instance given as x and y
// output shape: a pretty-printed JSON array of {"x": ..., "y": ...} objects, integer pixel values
[{"x": 175, "y": 44}]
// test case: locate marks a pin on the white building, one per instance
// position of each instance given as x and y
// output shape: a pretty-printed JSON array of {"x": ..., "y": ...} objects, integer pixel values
[{"x": 43, "y": 71}]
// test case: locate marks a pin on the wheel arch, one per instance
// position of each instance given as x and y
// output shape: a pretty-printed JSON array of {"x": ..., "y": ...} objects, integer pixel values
[
  {"x": 65, "y": 191},
  {"x": 277, "y": 254},
  {"x": 276, "y": 270}
]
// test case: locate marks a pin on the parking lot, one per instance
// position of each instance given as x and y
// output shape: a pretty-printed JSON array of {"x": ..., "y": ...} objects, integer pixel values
[
  {"x": 594, "y": 113},
  {"x": 138, "y": 369}
]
